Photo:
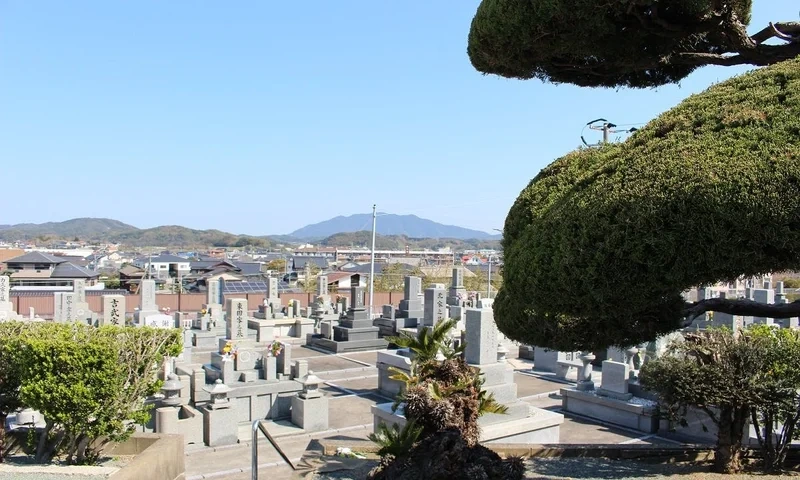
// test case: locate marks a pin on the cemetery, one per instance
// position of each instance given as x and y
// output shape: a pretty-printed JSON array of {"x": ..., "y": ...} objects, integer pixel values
[{"x": 291, "y": 369}]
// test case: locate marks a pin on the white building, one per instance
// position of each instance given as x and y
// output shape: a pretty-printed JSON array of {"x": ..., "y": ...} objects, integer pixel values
[{"x": 165, "y": 266}]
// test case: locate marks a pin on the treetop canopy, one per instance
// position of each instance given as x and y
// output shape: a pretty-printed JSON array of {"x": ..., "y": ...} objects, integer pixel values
[
  {"x": 632, "y": 43},
  {"x": 602, "y": 242}
]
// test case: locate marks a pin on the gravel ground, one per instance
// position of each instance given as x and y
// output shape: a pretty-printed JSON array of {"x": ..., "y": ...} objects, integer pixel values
[{"x": 588, "y": 469}]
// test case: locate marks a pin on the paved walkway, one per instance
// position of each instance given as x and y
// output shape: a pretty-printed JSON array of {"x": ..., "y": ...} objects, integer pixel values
[{"x": 351, "y": 382}]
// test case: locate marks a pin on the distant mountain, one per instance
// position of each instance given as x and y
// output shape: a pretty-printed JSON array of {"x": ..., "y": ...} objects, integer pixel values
[
  {"x": 77, "y": 227},
  {"x": 390, "y": 224},
  {"x": 113, "y": 231}
]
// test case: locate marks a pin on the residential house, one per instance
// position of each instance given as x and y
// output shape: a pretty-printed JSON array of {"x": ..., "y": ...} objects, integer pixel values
[
  {"x": 42, "y": 271},
  {"x": 165, "y": 266}
]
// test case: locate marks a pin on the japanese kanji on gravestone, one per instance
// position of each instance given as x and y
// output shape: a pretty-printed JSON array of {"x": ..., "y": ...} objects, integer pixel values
[
  {"x": 68, "y": 310},
  {"x": 236, "y": 318},
  {"x": 113, "y": 310},
  {"x": 213, "y": 292},
  {"x": 6, "y": 307},
  {"x": 435, "y": 308},
  {"x": 5, "y": 289},
  {"x": 79, "y": 288}
]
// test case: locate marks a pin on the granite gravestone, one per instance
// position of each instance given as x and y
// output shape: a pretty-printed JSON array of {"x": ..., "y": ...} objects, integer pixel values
[
  {"x": 435, "y": 309},
  {"x": 113, "y": 310}
]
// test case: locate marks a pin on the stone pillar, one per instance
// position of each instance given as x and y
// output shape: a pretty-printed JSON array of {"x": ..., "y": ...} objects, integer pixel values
[{"x": 585, "y": 381}]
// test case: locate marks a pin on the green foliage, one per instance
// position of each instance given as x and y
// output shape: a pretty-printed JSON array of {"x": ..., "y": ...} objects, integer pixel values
[
  {"x": 430, "y": 342},
  {"x": 89, "y": 383},
  {"x": 278, "y": 265},
  {"x": 791, "y": 282},
  {"x": 600, "y": 245},
  {"x": 394, "y": 441},
  {"x": 753, "y": 374},
  {"x": 643, "y": 43},
  {"x": 390, "y": 279}
]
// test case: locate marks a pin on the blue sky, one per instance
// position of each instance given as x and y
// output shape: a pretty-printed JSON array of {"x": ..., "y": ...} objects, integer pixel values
[{"x": 261, "y": 117}]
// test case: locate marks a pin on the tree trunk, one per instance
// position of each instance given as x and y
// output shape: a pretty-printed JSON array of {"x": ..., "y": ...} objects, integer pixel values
[
  {"x": 40, "y": 447},
  {"x": 2, "y": 436},
  {"x": 728, "y": 456}
]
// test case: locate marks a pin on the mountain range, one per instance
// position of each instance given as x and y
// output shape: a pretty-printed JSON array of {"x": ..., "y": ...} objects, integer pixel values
[
  {"x": 390, "y": 224},
  {"x": 336, "y": 230}
]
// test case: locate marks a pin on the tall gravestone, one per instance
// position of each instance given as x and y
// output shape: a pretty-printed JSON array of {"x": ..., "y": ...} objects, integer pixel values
[
  {"x": 767, "y": 296},
  {"x": 82, "y": 312},
  {"x": 68, "y": 307},
  {"x": 457, "y": 295},
  {"x": 113, "y": 310},
  {"x": 147, "y": 304},
  {"x": 435, "y": 309},
  {"x": 58, "y": 307},
  {"x": 6, "y": 306},
  {"x": 236, "y": 310},
  {"x": 481, "y": 351},
  {"x": 411, "y": 306}
]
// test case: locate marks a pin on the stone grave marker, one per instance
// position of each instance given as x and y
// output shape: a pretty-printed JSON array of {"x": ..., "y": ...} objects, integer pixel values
[
  {"x": 482, "y": 337},
  {"x": 435, "y": 309},
  {"x": 236, "y": 318},
  {"x": 113, "y": 310}
]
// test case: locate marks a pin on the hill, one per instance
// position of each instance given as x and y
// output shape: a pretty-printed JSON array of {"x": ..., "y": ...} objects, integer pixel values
[
  {"x": 390, "y": 224},
  {"x": 76, "y": 227},
  {"x": 113, "y": 231}
]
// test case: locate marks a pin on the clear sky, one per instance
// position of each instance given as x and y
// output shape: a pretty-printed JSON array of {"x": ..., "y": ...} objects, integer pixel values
[{"x": 260, "y": 117}]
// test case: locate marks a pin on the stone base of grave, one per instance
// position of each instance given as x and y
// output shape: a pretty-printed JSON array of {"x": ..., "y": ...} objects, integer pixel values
[
  {"x": 526, "y": 352},
  {"x": 310, "y": 414},
  {"x": 265, "y": 329},
  {"x": 635, "y": 413},
  {"x": 385, "y": 326},
  {"x": 399, "y": 359},
  {"x": 347, "y": 345},
  {"x": 523, "y": 424},
  {"x": 403, "y": 323}
]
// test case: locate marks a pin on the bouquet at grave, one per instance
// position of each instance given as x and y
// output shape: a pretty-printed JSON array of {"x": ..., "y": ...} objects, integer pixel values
[
  {"x": 227, "y": 349},
  {"x": 166, "y": 310},
  {"x": 203, "y": 311},
  {"x": 275, "y": 348}
]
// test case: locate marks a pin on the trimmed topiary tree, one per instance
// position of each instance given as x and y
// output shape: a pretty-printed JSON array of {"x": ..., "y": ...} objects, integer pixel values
[
  {"x": 600, "y": 245},
  {"x": 642, "y": 43}
]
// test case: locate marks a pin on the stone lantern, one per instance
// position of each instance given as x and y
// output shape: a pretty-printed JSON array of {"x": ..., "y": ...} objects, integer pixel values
[
  {"x": 310, "y": 385},
  {"x": 171, "y": 390},
  {"x": 219, "y": 394}
]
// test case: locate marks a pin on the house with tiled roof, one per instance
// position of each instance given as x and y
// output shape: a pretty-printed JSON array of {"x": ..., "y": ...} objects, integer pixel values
[{"x": 38, "y": 270}]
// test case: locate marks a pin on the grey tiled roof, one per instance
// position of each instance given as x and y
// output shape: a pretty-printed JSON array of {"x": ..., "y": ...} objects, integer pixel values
[
  {"x": 248, "y": 268},
  {"x": 36, "y": 257},
  {"x": 299, "y": 262},
  {"x": 168, "y": 258},
  {"x": 70, "y": 270}
]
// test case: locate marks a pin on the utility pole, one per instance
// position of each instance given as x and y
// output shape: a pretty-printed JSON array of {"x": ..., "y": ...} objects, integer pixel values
[
  {"x": 372, "y": 260},
  {"x": 489, "y": 283}
]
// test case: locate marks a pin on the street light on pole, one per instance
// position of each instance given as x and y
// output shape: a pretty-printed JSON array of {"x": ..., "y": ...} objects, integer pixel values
[{"x": 372, "y": 260}]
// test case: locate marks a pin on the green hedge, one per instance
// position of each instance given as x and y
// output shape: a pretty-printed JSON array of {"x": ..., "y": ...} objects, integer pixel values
[
  {"x": 600, "y": 245},
  {"x": 89, "y": 383}
]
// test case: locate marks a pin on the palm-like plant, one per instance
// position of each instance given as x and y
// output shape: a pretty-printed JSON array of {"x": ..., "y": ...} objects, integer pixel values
[
  {"x": 395, "y": 441},
  {"x": 430, "y": 342}
]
